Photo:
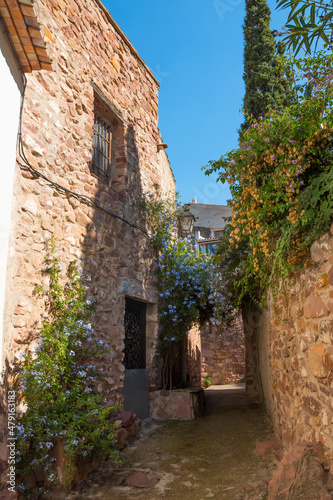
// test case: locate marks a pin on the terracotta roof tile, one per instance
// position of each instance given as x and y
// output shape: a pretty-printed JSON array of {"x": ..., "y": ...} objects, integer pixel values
[{"x": 20, "y": 20}]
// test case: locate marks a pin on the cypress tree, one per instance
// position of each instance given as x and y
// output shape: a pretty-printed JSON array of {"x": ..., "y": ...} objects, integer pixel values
[{"x": 268, "y": 81}]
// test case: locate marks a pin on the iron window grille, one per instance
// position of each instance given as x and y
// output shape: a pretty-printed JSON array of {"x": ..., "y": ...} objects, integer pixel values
[{"x": 102, "y": 149}]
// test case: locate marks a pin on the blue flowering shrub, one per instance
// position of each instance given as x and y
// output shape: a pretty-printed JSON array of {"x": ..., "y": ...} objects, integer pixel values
[
  {"x": 184, "y": 279},
  {"x": 57, "y": 380}
]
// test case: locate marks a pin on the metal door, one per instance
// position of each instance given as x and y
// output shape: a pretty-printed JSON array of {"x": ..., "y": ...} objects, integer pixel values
[{"x": 136, "y": 384}]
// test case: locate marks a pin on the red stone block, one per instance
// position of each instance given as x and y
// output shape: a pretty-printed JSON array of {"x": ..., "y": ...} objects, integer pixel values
[
  {"x": 300, "y": 471},
  {"x": 121, "y": 438},
  {"x": 266, "y": 446},
  {"x": 140, "y": 480},
  {"x": 8, "y": 495},
  {"x": 311, "y": 405},
  {"x": 134, "y": 430},
  {"x": 127, "y": 417},
  {"x": 315, "y": 360},
  {"x": 182, "y": 408},
  {"x": 314, "y": 307},
  {"x": 328, "y": 358}
]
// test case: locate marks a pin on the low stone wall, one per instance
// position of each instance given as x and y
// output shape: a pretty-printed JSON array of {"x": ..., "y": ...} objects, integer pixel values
[
  {"x": 182, "y": 404},
  {"x": 289, "y": 350}
]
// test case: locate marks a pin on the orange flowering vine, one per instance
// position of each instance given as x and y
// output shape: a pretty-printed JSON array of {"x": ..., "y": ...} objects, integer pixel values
[{"x": 281, "y": 181}]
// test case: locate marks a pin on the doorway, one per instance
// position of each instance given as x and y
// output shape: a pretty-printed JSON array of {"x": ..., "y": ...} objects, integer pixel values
[{"x": 136, "y": 383}]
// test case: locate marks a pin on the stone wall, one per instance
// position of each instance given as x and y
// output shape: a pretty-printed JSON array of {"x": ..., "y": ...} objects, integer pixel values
[
  {"x": 222, "y": 351},
  {"x": 93, "y": 59},
  {"x": 217, "y": 353},
  {"x": 90, "y": 220},
  {"x": 291, "y": 351}
]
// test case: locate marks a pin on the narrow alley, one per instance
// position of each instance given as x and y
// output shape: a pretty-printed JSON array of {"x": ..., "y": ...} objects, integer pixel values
[
  {"x": 157, "y": 242},
  {"x": 211, "y": 457}
]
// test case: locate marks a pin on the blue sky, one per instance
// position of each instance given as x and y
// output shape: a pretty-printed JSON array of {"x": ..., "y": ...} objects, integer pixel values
[{"x": 195, "y": 49}]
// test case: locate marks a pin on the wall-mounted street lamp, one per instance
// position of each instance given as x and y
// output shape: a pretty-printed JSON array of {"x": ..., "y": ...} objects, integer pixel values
[{"x": 186, "y": 221}]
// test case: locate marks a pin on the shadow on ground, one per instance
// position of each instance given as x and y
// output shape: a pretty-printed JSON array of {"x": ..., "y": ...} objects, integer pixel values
[{"x": 212, "y": 457}]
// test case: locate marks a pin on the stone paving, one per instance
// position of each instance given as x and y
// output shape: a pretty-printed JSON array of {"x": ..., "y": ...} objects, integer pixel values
[{"x": 212, "y": 457}]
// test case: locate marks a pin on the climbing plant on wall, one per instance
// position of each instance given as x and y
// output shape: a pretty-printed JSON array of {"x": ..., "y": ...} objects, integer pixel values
[
  {"x": 281, "y": 180},
  {"x": 183, "y": 280}
]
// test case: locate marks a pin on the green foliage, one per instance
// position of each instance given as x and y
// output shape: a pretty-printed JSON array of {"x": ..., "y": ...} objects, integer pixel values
[
  {"x": 281, "y": 183},
  {"x": 307, "y": 23},
  {"x": 267, "y": 75},
  {"x": 58, "y": 380},
  {"x": 182, "y": 279},
  {"x": 207, "y": 382}
]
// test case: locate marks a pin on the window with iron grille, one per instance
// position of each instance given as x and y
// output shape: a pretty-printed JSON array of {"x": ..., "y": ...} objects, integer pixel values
[
  {"x": 108, "y": 159},
  {"x": 102, "y": 149}
]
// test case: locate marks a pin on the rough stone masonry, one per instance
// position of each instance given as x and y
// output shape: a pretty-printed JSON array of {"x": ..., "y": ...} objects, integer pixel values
[
  {"x": 96, "y": 67},
  {"x": 289, "y": 351}
]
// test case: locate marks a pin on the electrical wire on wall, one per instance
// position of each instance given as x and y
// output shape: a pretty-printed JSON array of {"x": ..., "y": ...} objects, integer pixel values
[{"x": 58, "y": 187}]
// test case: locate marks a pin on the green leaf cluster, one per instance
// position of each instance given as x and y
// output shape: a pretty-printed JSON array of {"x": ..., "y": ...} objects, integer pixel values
[{"x": 308, "y": 22}]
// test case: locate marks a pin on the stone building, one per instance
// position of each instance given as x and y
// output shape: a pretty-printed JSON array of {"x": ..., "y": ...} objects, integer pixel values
[
  {"x": 89, "y": 147},
  {"x": 16, "y": 50},
  {"x": 209, "y": 220}
]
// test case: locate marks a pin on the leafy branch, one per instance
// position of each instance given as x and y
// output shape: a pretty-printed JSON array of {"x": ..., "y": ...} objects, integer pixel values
[{"x": 307, "y": 23}]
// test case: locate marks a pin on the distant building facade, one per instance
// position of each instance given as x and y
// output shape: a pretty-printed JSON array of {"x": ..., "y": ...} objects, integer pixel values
[{"x": 208, "y": 224}]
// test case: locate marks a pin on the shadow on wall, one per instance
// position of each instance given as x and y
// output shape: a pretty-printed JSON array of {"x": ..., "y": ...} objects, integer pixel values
[
  {"x": 223, "y": 353},
  {"x": 217, "y": 353},
  {"x": 117, "y": 257},
  {"x": 193, "y": 357}
]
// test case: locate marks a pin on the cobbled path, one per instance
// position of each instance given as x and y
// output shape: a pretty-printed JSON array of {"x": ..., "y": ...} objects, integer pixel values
[{"x": 213, "y": 457}]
